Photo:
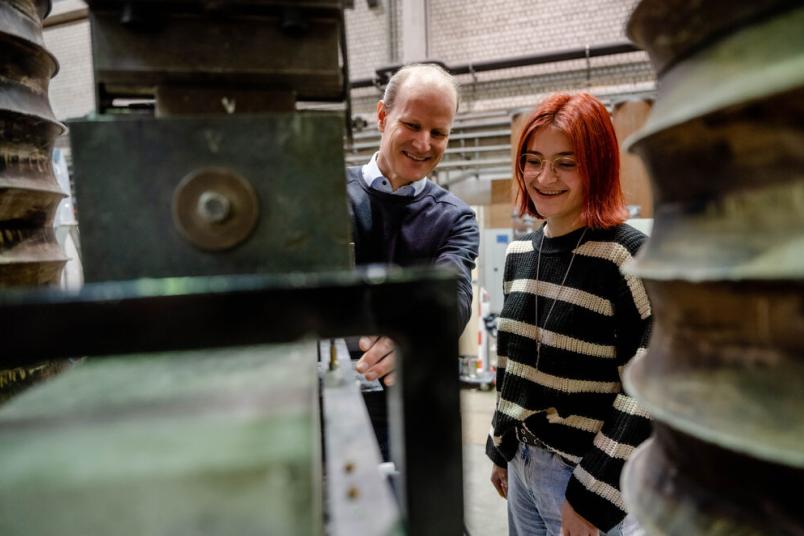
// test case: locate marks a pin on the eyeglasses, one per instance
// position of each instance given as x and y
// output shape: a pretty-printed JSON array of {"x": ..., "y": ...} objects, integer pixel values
[{"x": 532, "y": 165}]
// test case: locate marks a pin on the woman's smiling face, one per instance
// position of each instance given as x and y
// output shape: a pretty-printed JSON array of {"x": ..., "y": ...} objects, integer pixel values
[{"x": 552, "y": 178}]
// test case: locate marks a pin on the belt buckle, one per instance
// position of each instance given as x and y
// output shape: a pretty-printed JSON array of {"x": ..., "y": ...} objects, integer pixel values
[
  {"x": 520, "y": 435},
  {"x": 526, "y": 437},
  {"x": 536, "y": 442}
]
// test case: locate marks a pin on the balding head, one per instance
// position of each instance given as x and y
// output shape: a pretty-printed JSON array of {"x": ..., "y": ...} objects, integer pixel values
[
  {"x": 428, "y": 74},
  {"x": 415, "y": 118}
]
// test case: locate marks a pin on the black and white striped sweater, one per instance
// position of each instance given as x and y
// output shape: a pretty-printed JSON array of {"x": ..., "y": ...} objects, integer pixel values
[{"x": 574, "y": 401}]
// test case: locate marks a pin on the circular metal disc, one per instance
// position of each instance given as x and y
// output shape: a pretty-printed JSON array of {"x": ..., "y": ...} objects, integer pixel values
[{"x": 215, "y": 234}]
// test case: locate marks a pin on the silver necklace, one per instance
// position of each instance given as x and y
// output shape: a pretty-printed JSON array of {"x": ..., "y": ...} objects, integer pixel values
[{"x": 558, "y": 294}]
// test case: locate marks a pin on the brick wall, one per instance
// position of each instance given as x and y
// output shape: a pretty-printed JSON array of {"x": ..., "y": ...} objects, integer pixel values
[
  {"x": 71, "y": 91},
  {"x": 473, "y": 30},
  {"x": 370, "y": 37}
]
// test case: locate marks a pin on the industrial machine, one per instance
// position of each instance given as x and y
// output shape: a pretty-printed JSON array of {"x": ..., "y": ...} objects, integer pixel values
[
  {"x": 29, "y": 192},
  {"x": 722, "y": 377},
  {"x": 215, "y": 239}
]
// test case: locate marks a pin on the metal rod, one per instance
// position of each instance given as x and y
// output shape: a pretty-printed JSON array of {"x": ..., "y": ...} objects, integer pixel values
[{"x": 523, "y": 61}]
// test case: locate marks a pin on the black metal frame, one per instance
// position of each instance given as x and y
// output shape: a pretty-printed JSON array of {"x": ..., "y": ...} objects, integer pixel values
[{"x": 416, "y": 307}]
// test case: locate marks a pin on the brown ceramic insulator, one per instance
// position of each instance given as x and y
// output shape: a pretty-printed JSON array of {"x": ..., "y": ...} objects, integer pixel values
[
  {"x": 725, "y": 365},
  {"x": 679, "y": 482},
  {"x": 723, "y": 376},
  {"x": 673, "y": 29},
  {"x": 29, "y": 192}
]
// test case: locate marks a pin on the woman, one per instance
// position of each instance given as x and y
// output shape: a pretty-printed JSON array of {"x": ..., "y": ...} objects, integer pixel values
[{"x": 563, "y": 426}]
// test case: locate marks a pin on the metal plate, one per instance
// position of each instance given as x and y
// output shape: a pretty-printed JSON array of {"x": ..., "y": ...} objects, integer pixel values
[
  {"x": 206, "y": 442},
  {"x": 359, "y": 498},
  {"x": 293, "y": 161}
]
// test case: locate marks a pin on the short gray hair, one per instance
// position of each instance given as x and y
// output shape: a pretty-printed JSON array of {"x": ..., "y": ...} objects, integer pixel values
[{"x": 428, "y": 71}]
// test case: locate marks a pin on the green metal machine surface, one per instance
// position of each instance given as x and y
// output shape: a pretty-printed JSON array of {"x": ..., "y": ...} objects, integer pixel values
[
  {"x": 199, "y": 442},
  {"x": 292, "y": 161}
]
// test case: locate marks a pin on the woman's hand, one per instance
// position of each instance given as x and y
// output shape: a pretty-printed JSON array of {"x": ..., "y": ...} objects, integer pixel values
[
  {"x": 499, "y": 479},
  {"x": 573, "y": 524}
]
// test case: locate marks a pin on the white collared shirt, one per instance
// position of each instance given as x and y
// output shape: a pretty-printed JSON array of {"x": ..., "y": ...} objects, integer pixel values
[{"x": 375, "y": 180}]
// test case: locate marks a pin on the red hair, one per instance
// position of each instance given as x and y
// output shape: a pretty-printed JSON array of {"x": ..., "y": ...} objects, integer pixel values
[{"x": 586, "y": 122}]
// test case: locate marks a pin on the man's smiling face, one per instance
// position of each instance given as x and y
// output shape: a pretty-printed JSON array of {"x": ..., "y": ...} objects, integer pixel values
[{"x": 415, "y": 130}]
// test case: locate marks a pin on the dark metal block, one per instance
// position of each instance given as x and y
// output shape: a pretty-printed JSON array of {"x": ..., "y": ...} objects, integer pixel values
[
  {"x": 293, "y": 162},
  {"x": 138, "y": 46}
]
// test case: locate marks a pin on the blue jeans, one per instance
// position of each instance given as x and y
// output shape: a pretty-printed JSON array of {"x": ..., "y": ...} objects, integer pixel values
[{"x": 537, "y": 482}]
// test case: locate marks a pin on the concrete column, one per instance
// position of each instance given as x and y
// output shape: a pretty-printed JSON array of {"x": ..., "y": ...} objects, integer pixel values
[{"x": 414, "y": 30}]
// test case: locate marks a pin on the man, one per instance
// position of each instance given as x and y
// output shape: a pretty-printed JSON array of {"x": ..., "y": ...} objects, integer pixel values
[{"x": 399, "y": 216}]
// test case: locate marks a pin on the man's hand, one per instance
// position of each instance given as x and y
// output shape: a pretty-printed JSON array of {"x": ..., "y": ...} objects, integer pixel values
[
  {"x": 499, "y": 479},
  {"x": 378, "y": 359},
  {"x": 573, "y": 524}
]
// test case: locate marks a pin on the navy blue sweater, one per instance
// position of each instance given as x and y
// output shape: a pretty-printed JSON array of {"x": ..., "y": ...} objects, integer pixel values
[{"x": 433, "y": 227}]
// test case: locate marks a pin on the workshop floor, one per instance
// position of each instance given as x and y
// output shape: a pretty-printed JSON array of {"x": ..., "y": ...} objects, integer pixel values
[{"x": 484, "y": 510}]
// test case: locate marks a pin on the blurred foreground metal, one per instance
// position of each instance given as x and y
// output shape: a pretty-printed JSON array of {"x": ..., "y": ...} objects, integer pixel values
[
  {"x": 30, "y": 254},
  {"x": 110, "y": 319},
  {"x": 29, "y": 193},
  {"x": 724, "y": 373},
  {"x": 214, "y": 225}
]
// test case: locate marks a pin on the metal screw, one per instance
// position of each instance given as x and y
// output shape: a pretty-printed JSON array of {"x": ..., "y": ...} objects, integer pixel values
[
  {"x": 214, "y": 207},
  {"x": 333, "y": 355}
]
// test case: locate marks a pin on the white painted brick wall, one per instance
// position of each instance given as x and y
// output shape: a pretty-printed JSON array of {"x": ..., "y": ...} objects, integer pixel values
[
  {"x": 473, "y": 30},
  {"x": 72, "y": 92},
  {"x": 367, "y": 34}
]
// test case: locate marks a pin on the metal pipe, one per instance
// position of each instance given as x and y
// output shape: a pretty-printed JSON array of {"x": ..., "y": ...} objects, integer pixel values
[{"x": 516, "y": 61}]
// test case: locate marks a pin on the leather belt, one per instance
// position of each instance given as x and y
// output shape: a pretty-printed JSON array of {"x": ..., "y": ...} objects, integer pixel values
[{"x": 524, "y": 435}]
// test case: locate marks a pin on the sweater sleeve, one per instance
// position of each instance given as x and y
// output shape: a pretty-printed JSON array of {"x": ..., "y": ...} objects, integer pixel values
[
  {"x": 594, "y": 488},
  {"x": 460, "y": 251},
  {"x": 501, "y": 443},
  {"x": 500, "y": 448}
]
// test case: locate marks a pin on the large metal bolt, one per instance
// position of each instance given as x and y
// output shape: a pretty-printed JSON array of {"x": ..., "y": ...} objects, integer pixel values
[{"x": 214, "y": 207}]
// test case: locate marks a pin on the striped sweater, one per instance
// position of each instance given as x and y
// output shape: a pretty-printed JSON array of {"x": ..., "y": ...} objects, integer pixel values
[{"x": 574, "y": 401}]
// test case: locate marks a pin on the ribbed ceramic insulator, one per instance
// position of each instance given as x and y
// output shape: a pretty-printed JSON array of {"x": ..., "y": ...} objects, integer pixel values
[
  {"x": 724, "y": 373},
  {"x": 29, "y": 192}
]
